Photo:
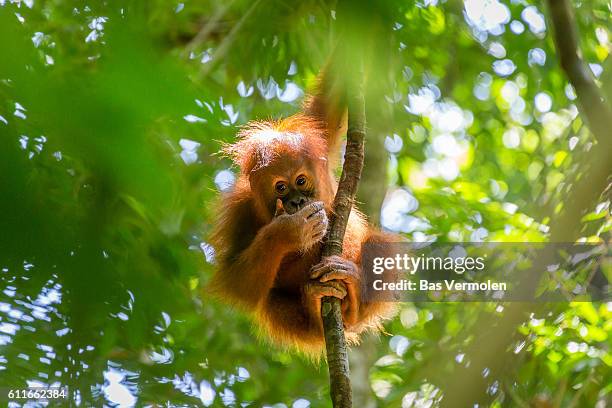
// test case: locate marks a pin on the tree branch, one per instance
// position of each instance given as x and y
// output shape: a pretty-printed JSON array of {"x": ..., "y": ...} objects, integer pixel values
[
  {"x": 337, "y": 355},
  {"x": 593, "y": 106}
]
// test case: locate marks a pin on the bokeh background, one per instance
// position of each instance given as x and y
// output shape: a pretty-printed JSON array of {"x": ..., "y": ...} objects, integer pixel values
[{"x": 112, "y": 115}]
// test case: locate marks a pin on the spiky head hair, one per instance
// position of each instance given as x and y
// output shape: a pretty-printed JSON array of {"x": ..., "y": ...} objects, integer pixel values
[{"x": 261, "y": 142}]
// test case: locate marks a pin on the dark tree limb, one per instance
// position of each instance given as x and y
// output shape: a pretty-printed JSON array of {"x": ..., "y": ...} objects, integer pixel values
[
  {"x": 335, "y": 342},
  {"x": 593, "y": 106}
]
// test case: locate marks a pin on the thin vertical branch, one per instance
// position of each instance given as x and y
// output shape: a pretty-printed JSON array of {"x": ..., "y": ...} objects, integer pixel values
[{"x": 335, "y": 342}]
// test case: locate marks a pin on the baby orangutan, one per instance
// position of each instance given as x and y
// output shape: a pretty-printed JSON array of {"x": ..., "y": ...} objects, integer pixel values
[{"x": 270, "y": 226}]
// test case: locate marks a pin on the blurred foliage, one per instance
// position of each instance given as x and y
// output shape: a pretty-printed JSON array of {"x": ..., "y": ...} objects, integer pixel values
[{"x": 111, "y": 117}]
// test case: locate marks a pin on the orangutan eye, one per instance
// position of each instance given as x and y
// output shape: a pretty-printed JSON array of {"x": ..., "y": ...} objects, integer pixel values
[
  {"x": 300, "y": 181},
  {"x": 281, "y": 187}
]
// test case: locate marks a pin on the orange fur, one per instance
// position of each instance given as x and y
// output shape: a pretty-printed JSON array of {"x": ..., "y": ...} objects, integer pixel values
[{"x": 264, "y": 261}]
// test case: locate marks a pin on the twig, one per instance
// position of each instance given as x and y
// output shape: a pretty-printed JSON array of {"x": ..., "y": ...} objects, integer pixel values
[
  {"x": 205, "y": 31},
  {"x": 227, "y": 42}
]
